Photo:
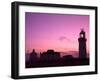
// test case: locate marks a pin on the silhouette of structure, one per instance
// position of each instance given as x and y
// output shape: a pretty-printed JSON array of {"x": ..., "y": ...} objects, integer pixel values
[
  {"x": 82, "y": 45},
  {"x": 33, "y": 57},
  {"x": 50, "y": 55},
  {"x": 67, "y": 57}
]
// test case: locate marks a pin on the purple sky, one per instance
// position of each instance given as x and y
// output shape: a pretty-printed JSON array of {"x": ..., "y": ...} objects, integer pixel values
[{"x": 60, "y": 32}]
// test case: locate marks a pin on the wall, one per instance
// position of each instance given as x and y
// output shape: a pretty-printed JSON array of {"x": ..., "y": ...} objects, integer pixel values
[{"x": 5, "y": 40}]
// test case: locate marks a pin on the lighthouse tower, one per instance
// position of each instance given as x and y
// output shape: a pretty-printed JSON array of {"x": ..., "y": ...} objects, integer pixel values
[{"x": 82, "y": 45}]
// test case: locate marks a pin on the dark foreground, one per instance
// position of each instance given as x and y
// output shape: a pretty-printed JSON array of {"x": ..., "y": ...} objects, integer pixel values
[{"x": 57, "y": 62}]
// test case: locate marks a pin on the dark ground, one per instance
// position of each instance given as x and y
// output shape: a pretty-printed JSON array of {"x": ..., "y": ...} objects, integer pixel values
[{"x": 57, "y": 62}]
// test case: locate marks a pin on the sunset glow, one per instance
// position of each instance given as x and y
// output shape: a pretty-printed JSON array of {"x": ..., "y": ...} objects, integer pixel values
[{"x": 59, "y": 32}]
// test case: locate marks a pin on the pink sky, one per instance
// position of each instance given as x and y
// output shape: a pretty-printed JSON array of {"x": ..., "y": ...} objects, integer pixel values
[{"x": 59, "y": 32}]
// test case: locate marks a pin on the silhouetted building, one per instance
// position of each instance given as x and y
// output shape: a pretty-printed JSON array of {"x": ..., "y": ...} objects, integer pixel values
[
  {"x": 33, "y": 57},
  {"x": 67, "y": 57},
  {"x": 50, "y": 55},
  {"x": 82, "y": 45}
]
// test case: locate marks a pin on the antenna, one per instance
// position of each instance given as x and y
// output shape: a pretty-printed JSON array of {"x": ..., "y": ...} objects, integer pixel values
[{"x": 82, "y": 29}]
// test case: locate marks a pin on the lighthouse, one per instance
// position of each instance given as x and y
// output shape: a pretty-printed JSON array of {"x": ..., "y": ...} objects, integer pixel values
[{"x": 82, "y": 44}]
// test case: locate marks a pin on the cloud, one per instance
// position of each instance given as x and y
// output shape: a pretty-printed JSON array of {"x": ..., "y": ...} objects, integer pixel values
[{"x": 63, "y": 38}]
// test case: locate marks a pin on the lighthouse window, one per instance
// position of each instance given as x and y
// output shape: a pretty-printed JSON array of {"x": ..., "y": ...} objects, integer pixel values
[{"x": 82, "y": 35}]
